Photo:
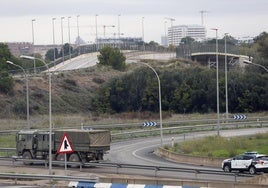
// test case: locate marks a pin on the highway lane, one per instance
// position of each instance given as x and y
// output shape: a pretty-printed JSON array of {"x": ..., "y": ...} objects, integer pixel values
[
  {"x": 140, "y": 152},
  {"x": 91, "y": 59},
  {"x": 79, "y": 62}
]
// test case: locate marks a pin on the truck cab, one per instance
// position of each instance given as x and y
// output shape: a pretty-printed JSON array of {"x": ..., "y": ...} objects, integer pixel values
[{"x": 32, "y": 144}]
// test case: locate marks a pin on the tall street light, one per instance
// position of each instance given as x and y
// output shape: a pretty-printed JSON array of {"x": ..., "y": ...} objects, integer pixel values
[
  {"x": 62, "y": 18},
  {"x": 119, "y": 31},
  {"x": 33, "y": 20},
  {"x": 142, "y": 29},
  {"x": 255, "y": 64},
  {"x": 50, "y": 114},
  {"x": 78, "y": 34},
  {"x": 96, "y": 25},
  {"x": 69, "y": 33},
  {"x": 160, "y": 101},
  {"x": 217, "y": 67},
  {"x": 27, "y": 92},
  {"x": 53, "y": 30},
  {"x": 226, "y": 80}
]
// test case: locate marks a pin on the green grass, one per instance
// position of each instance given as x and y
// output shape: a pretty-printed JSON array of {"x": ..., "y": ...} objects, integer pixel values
[
  {"x": 7, "y": 141},
  {"x": 214, "y": 146}
]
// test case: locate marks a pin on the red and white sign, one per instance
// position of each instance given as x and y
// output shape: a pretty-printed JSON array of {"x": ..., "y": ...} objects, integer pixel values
[{"x": 66, "y": 145}]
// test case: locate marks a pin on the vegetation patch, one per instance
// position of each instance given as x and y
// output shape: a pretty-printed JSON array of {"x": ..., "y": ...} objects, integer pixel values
[{"x": 215, "y": 146}]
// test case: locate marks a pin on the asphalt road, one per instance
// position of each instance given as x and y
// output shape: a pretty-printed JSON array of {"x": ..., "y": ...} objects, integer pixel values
[
  {"x": 91, "y": 59},
  {"x": 140, "y": 152}
]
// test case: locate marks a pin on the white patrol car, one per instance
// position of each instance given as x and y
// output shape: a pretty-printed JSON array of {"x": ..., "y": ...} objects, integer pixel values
[{"x": 249, "y": 161}]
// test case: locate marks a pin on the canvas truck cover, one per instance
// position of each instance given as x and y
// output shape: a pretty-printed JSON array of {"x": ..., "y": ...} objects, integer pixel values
[{"x": 92, "y": 138}]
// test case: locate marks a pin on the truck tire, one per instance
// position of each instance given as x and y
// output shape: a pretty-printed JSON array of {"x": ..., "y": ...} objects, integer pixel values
[
  {"x": 27, "y": 155},
  {"x": 74, "y": 158},
  {"x": 252, "y": 170},
  {"x": 60, "y": 157},
  {"x": 227, "y": 168},
  {"x": 100, "y": 157}
]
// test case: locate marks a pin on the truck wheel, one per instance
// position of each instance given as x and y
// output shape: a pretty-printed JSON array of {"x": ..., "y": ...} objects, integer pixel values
[
  {"x": 60, "y": 157},
  {"x": 74, "y": 158},
  {"x": 227, "y": 168},
  {"x": 27, "y": 155},
  {"x": 100, "y": 157},
  {"x": 252, "y": 170}
]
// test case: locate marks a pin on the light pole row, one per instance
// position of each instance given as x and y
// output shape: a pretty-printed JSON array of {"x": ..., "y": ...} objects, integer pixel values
[{"x": 27, "y": 92}]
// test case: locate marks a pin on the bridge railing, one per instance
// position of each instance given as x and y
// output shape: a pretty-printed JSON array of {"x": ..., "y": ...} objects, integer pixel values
[{"x": 185, "y": 51}]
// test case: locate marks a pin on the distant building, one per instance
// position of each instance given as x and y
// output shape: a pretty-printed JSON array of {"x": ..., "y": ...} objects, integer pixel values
[
  {"x": 19, "y": 48},
  {"x": 122, "y": 40},
  {"x": 176, "y": 33},
  {"x": 164, "y": 40},
  {"x": 26, "y": 48}
]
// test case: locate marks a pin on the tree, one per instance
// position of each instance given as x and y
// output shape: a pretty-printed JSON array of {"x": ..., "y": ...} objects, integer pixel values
[
  {"x": 112, "y": 57},
  {"x": 50, "y": 54},
  {"x": 262, "y": 42},
  {"x": 65, "y": 49},
  {"x": 187, "y": 40}
]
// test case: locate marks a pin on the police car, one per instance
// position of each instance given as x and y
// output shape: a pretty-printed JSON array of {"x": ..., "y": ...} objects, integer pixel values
[{"x": 249, "y": 161}]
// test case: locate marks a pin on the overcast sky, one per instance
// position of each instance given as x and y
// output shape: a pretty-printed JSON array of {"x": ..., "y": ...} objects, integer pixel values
[{"x": 239, "y": 18}]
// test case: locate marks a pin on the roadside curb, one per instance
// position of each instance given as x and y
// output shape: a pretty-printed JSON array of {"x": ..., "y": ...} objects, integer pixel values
[{"x": 188, "y": 159}]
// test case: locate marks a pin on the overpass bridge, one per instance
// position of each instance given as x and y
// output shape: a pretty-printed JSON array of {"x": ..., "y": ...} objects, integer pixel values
[
  {"x": 209, "y": 59},
  {"x": 206, "y": 55}
]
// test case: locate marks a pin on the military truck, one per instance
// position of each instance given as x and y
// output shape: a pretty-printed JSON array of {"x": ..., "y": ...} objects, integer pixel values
[{"x": 87, "y": 145}]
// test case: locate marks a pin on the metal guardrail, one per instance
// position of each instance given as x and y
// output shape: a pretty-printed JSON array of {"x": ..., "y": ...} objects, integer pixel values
[
  {"x": 154, "y": 169},
  {"x": 45, "y": 177}
]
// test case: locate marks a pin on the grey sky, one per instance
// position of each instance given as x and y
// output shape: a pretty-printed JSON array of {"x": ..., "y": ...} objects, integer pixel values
[{"x": 237, "y": 17}]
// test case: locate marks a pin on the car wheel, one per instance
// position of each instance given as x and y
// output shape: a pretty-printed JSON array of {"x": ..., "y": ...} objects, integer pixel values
[
  {"x": 227, "y": 168},
  {"x": 252, "y": 170}
]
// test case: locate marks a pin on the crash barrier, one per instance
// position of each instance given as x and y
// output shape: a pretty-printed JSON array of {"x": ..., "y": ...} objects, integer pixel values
[
  {"x": 189, "y": 159},
  {"x": 82, "y": 184},
  {"x": 152, "y": 170}
]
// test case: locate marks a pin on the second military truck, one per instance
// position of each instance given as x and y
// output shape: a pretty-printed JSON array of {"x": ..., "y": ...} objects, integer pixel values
[{"x": 87, "y": 145}]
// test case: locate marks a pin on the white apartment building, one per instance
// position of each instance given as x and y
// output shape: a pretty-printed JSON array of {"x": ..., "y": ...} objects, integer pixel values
[{"x": 176, "y": 33}]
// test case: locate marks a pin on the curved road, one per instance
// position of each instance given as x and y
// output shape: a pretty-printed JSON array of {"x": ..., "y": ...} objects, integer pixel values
[{"x": 140, "y": 152}]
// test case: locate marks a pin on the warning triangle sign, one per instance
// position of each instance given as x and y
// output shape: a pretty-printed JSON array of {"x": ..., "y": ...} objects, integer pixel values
[{"x": 65, "y": 146}]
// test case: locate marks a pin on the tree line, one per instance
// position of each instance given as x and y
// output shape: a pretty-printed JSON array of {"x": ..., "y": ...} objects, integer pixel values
[{"x": 183, "y": 91}]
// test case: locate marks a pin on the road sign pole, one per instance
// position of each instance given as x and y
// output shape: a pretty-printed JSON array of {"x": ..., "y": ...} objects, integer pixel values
[{"x": 65, "y": 164}]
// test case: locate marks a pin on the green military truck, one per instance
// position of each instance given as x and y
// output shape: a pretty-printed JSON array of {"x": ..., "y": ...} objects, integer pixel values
[{"x": 87, "y": 145}]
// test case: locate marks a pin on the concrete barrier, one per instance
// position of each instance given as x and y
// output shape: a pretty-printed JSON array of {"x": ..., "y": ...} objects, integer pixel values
[{"x": 188, "y": 159}]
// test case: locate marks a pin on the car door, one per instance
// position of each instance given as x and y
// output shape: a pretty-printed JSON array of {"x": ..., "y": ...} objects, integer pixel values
[
  {"x": 247, "y": 160},
  {"x": 237, "y": 161}
]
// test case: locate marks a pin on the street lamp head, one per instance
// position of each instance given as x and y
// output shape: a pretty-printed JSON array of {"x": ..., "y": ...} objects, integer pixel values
[
  {"x": 247, "y": 61},
  {"x": 215, "y": 29},
  {"x": 9, "y": 62},
  {"x": 27, "y": 57}
]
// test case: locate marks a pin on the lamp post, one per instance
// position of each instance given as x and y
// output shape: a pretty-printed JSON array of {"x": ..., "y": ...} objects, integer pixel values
[
  {"x": 142, "y": 29},
  {"x": 69, "y": 33},
  {"x": 226, "y": 80},
  {"x": 78, "y": 34},
  {"x": 217, "y": 77},
  {"x": 62, "y": 18},
  {"x": 27, "y": 92},
  {"x": 50, "y": 114},
  {"x": 119, "y": 31},
  {"x": 53, "y": 30},
  {"x": 96, "y": 25},
  {"x": 255, "y": 64},
  {"x": 160, "y": 103},
  {"x": 33, "y": 20}
]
